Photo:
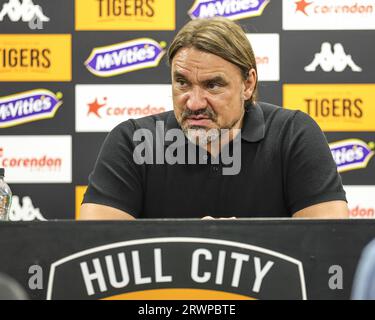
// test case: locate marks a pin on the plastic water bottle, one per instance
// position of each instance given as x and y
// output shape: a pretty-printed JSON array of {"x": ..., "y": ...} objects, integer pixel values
[{"x": 5, "y": 197}]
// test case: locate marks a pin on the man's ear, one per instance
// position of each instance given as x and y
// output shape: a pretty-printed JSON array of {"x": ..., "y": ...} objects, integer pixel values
[{"x": 249, "y": 84}]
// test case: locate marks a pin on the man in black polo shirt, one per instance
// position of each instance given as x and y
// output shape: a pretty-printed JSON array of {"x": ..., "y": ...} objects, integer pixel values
[{"x": 279, "y": 164}]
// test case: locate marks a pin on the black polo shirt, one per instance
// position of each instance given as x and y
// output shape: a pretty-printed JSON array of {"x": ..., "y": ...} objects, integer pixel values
[{"x": 286, "y": 165}]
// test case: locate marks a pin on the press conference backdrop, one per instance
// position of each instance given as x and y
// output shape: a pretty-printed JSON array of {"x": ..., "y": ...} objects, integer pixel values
[{"x": 71, "y": 70}]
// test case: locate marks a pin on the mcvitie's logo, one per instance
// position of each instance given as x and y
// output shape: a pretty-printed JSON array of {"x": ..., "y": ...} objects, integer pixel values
[
  {"x": 351, "y": 154},
  {"x": 231, "y": 9},
  {"x": 28, "y": 106},
  {"x": 124, "y": 57},
  {"x": 177, "y": 266}
]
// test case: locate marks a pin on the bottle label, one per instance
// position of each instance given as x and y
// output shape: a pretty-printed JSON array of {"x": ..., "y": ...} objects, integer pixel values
[{"x": 4, "y": 207}]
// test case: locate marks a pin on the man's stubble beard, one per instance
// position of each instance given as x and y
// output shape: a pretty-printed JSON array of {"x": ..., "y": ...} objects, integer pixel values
[{"x": 203, "y": 136}]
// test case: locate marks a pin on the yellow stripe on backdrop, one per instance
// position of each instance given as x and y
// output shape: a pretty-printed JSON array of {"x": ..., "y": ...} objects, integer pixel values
[
  {"x": 80, "y": 191},
  {"x": 179, "y": 294},
  {"x": 335, "y": 107},
  {"x": 36, "y": 57},
  {"x": 125, "y": 15}
]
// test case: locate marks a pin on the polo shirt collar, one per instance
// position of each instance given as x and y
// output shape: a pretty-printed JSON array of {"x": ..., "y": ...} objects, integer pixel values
[
  {"x": 170, "y": 124},
  {"x": 253, "y": 128}
]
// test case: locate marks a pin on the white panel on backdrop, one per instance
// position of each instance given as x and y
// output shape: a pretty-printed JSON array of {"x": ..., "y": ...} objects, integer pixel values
[
  {"x": 328, "y": 15},
  {"x": 36, "y": 159},
  {"x": 361, "y": 201},
  {"x": 99, "y": 108},
  {"x": 266, "y": 47}
]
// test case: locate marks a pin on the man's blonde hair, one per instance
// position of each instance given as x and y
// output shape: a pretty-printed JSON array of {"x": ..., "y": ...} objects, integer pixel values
[{"x": 218, "y": 36}]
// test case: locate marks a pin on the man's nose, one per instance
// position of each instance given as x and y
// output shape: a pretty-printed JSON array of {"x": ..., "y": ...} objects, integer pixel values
[{"x": 196, "y": 99}]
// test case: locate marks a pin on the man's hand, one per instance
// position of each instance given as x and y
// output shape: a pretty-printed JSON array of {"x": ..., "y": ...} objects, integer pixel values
[
  {"x": 92, "y": 211},
  {"x": 325, "y": 210}
]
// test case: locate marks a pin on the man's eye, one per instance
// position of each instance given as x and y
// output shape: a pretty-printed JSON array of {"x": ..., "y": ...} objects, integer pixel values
[
  {"x": 213, "y": 85},
  {"x": 181, "y": 82}
]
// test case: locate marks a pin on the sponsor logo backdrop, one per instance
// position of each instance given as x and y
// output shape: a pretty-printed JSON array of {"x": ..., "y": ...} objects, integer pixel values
[{"x": 72, "y": 70}]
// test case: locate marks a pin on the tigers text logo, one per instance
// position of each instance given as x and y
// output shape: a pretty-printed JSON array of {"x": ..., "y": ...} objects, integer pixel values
[
  {"x": 125, "y": 14},
  {"x": 335, "y": 107},
  {"x": 35, "y": 57}
]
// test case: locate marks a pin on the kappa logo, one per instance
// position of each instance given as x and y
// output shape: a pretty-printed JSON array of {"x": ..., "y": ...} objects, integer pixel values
[
  {"x": 231, "y": 9},
  {"x": 24, "y": 212},
  {"x": 351, "y": 154},
  {"x": 125, "y": 57},
  {"x": 336, "y": 60},
  {"x": 28, "y": 106},
  {"x": 177, "y": 266},
  {"x": 26, "y": 11}
]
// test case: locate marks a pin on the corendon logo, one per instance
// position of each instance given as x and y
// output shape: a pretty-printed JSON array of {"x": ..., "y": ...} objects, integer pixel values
[
  {"x": 301, "y": 6},
  {"x": 360, "y": 211},
  {"x": 328, "y": 14},
  {"x": 99, "y": 108},
  {"x": 267, "y": 54},
  {"x": 28, "y": 106},
  {"x": 37, "y": 159},
  {"x": 31, "y": 163},
  {"x": 326, "y": 7},
  {"x": 125, "y": 57},
  {"x": 351, "y": 154},
  {"x": 118, "y": 111},
  {"x": 231, "y": 9}
]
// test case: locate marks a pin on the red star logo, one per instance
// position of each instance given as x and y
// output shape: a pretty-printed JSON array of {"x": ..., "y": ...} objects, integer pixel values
[
  {"x": 301, "y": 6},
  {"x": 95, "y": 106}
]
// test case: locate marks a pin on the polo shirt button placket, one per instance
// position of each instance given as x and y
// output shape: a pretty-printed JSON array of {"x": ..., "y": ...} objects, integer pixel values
[{"x": 215, "y": 171}]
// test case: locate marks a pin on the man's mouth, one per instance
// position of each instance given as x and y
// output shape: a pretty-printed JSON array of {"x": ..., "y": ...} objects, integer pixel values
[{"x": 199, "y": 120}]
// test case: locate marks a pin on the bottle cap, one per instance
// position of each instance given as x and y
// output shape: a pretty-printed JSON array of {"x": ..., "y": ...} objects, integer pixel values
[{"x": 2, "y": 172}]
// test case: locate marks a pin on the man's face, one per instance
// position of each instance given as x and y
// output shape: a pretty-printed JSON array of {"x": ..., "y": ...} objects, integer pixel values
[{"x": 208, "y": 92}]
